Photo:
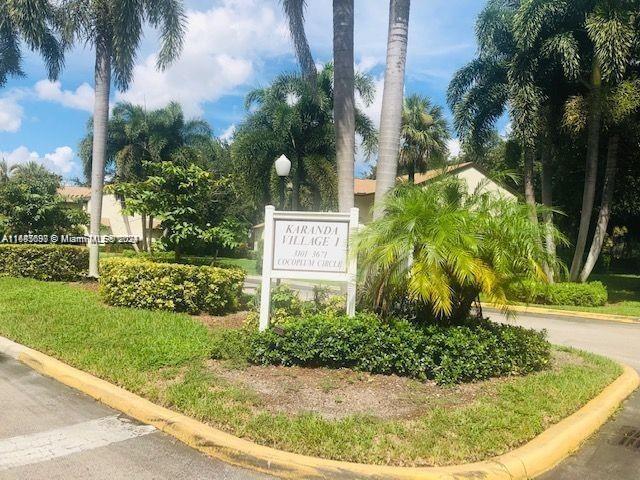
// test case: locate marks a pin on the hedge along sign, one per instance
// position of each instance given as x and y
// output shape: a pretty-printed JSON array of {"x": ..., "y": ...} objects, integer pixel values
[{"x": 308, "y": 246}]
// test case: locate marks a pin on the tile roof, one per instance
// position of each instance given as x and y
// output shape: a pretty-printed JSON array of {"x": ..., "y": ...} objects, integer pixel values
[{"x": 368, "y": 187}]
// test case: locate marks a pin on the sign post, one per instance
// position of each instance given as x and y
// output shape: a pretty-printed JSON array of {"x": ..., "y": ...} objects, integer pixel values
[{"x": 308, "y": 246}]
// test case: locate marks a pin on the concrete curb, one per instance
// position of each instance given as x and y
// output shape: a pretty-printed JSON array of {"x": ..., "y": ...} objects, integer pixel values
[
  {"x": 566, "y": 313},
  {"x": 536, "y": 457}
]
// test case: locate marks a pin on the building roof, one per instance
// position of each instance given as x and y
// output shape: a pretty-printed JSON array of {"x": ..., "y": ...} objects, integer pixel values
[
  {"x": 74, "y": 192},
  {"x": 368, "y": 186}
]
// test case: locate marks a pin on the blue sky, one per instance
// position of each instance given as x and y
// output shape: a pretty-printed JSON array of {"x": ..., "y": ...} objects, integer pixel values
[{"x": 231, "y": 47}]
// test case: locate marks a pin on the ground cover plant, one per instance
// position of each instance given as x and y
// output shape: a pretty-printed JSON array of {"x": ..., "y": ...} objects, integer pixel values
[
  {"x": 166, "y": 357},
  {"x": 446, "y": 354}
]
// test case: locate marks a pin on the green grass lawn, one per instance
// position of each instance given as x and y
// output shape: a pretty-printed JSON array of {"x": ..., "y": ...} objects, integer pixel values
[
  {"x": 247, "y": 264},
  {"x": 163, "y": 356}
]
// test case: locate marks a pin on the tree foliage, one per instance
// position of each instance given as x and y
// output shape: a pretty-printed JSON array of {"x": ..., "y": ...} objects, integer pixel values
[
  {"x": 424, "y": 135},
  {"x": 35, "y": 24},
  {"x": 438, "y": 247},
  {"x": 30, "y": 204},
  {"x": 288, "y": 118},
  {"x": 190, "y": 203}
]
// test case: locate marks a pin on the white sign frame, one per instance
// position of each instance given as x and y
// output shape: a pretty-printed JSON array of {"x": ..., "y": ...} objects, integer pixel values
[{"x": 269, "y": 273}]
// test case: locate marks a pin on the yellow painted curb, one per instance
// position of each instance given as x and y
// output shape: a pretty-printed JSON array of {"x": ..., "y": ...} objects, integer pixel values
[
  {"x": 536, "y": 457},
  {"x": 568, "y": 313}
]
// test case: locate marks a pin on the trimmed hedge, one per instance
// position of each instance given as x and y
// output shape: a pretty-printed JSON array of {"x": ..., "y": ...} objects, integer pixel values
[
  {"x": 447, "y": 355},
  {"x": 44, "y": 262},
  {"x": 592, "y": 294},
  {"x": 128, "y": 282}
]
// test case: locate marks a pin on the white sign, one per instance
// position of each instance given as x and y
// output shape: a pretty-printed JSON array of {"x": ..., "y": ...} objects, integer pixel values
[
  {"x": 311, "y": 246},
  {"x": 308, "y": 246}
]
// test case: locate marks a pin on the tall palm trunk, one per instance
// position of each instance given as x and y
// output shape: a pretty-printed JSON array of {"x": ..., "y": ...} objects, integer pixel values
[
  {"x": 593, "y": 146},
  {"x": 295, "y": 12},
  {"x": 392, "y": 100},
  {"x": 143, "y": 221},
  {"x": 411, "y": 171},
  {"x": 127, "y": 224},
  {"x": 296, "y": 183},
  {"x": 100, "y": 123},
  {"x": 547, "y": 201},
  {"x": 605, "y": 208},
  {"x": 529, "y": 189},
  {"x": 150, "y": 234},
  {"x": 343, "y": 100}
]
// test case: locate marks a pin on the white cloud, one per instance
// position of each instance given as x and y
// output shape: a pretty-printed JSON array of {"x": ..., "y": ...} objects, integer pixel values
[
  {"x": 454, "y": 147},
  {"x": 81, "y": 99},
  {"x": 59, "y": 161},
  {"x": 221, "y": 49},
  {"x": 11, "y": 114},
  {"x": 227, "y": 135},
  {"x": 366, "y": 63},
  {"x": 506, "y": 131}
]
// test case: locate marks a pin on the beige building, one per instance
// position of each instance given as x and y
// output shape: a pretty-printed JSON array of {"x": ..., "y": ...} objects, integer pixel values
[
  {"x": 114, "y": 221},
  {"x": 472, "y": 174},
  {"x": 365, "y": 189}
]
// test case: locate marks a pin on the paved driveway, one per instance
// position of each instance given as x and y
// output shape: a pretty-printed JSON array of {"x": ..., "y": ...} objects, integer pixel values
[
  {"x": 610, "y": 454},
  {"x": 49, "y": 431}
]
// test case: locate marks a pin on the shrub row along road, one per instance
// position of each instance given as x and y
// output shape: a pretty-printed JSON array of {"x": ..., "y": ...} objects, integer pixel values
[{"x": 50, "y": 431}]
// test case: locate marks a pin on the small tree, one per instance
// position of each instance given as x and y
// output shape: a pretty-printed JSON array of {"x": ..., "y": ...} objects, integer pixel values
[
  {"x": 30, "y": 204},
  {"x": 436, "y": 249},
  {"x": 189, "y": 202}
]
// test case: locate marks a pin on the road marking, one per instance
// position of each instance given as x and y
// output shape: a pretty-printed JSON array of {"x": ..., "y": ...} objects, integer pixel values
[{"x": 60, "y": 442}]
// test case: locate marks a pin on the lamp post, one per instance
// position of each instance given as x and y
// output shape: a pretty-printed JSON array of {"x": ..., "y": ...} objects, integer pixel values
[{"x": 283, "y": 167}]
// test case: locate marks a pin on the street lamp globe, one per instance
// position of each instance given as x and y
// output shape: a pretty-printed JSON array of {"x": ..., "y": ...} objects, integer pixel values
[{"x": 283, "y": 166}]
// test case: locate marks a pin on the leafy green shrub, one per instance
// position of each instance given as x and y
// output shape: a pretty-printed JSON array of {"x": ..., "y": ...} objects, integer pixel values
[
  {"x": 127, "y": 282},
  {"x": 44, "y": 262},
  {"x": 592, "y": 294},
  {"x": 447, "y": 355},
  {"x": 286, "y": 304}
]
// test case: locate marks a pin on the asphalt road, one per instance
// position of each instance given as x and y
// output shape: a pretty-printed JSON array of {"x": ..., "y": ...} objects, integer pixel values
[
  {"x": 50, "y": 431},
  {"x": 609, "y": 454}
]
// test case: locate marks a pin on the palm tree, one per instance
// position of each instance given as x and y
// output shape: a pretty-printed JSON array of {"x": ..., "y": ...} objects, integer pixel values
[
  {"x": 289, "y": 118},
  {"x": 344, "y": 77},
  {"x": 294, "y": 9},
  {"x": 506, "y": 74},
  {"x": 34, "y": 23},
  {"x": 344, "y": 100},
  {"x": 392, "y": 99},
  {"x": 438, "y": 247},
  {"x": 114, "y": 28},
  {"x": 424, "y": 135},
  {"x": 30, "y": 170},
  {"x": 137, "y": 136},
  {"x": 598, "y": 59},
  {"x": 620, "y": 115},
  {"x": 5, "y": 171}
]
